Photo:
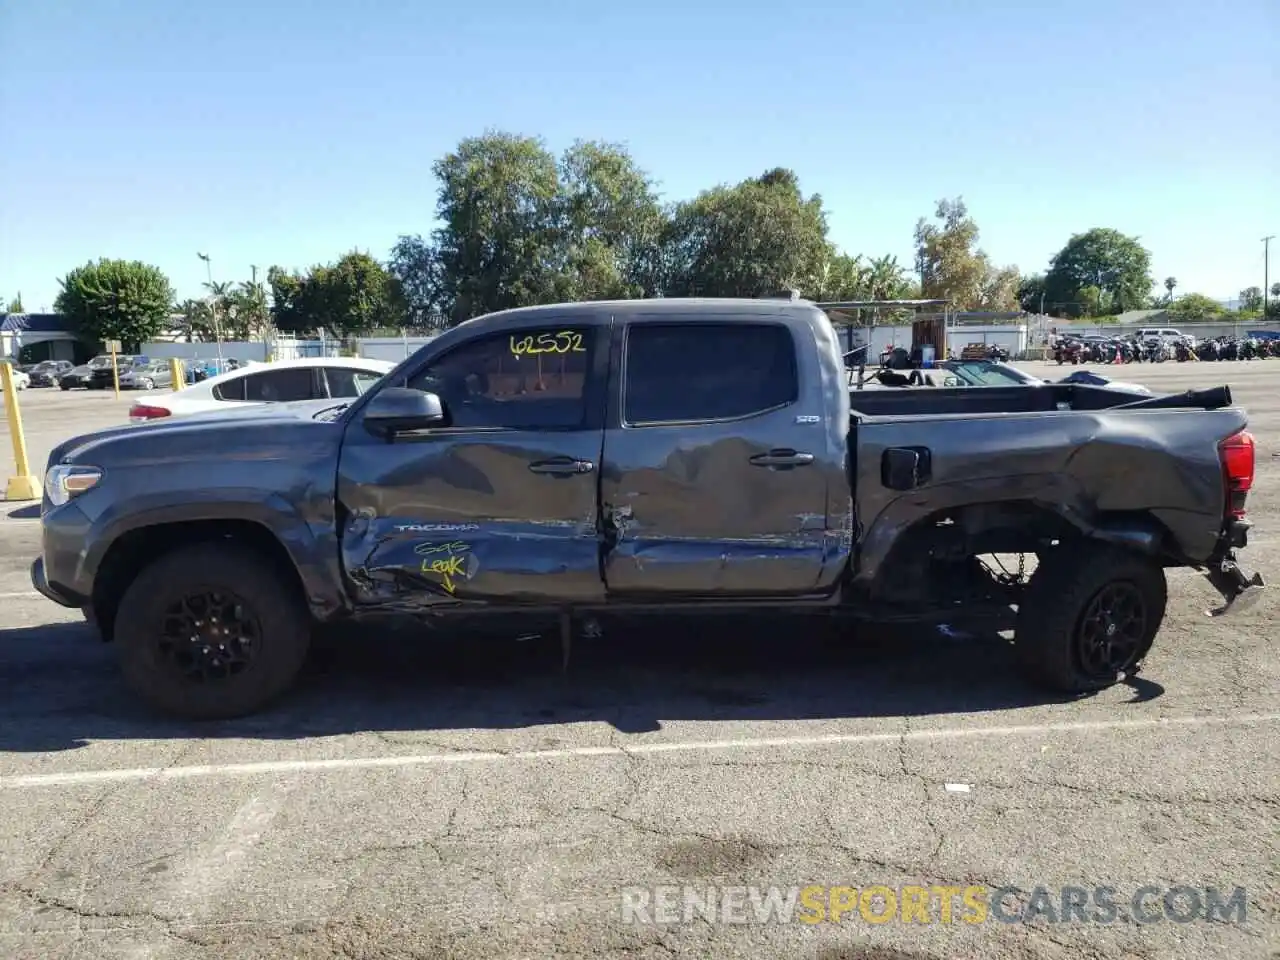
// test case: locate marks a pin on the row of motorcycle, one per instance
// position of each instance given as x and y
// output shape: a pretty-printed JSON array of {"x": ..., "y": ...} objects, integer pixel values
[{"x": 1180, "y": 350}]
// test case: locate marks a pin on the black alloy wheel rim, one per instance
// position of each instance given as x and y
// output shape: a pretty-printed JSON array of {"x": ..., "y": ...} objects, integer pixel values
[
  {"x": 210, "y": 635},
  {"x": 1112, "y": 631}
]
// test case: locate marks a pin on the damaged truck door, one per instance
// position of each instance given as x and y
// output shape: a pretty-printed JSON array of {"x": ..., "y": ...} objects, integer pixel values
[
  {"x": 474, "y": 476},
  {"x": 717, "y": 466}
]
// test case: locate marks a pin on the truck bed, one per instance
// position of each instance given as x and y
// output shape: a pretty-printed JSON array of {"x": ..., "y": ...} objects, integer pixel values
[{"x": 920, "y": 402}]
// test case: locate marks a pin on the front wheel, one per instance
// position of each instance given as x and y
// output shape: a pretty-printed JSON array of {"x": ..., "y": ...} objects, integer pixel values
[
  {"x": 1088, "y": 618},
  {"x": 212, "y": 631}
]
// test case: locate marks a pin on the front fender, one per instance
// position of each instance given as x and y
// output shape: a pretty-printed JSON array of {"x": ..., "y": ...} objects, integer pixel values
[{"x": 312, "y": 547}]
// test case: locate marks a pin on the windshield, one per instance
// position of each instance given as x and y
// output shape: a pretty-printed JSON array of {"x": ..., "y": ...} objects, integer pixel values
[{"x": 984, "y": 373}]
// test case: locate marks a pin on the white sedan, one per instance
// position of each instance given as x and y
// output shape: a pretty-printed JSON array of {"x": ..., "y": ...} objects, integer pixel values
[
  {"x": 284, "y": 381},
  {"x": 20, "y": 380}
]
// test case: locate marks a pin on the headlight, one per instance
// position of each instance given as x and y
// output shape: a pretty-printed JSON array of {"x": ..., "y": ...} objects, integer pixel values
[{"x": 67, "y": 480}]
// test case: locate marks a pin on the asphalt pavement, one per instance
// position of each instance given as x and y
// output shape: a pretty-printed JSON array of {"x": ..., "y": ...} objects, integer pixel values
[{"x": 461, "y": 797}]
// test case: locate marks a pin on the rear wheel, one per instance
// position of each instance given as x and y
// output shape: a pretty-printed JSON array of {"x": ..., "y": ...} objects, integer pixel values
[
  {"x": 1089, "y": 616},
  {"x": 211, "y": 631}
]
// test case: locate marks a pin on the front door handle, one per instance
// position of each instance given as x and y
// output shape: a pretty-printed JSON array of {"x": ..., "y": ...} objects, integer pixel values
[
  {"x": 782, "y": 458},
  {"x": 562, "y": 467}
]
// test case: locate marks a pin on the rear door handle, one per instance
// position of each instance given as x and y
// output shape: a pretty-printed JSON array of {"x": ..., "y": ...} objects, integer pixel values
[
  {"x": 562, "y": 467},
  {"x": 782, "y": 458}
]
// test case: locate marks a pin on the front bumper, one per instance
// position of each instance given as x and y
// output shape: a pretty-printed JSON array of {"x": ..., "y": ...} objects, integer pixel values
[
  {"x": 40, "y": 581},
  {"x": 1238, "y": 590}
]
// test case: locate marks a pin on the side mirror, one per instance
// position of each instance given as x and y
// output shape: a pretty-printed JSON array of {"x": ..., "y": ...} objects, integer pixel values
[
  {"x": 951, "y": 382},
  {"x": 398, "y": 409}
]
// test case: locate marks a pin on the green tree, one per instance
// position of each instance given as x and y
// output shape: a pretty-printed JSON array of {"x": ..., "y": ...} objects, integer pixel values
[
  {"x": 1250, "y": 299},
  {"x": 250, "y": 315},
  {"x": 1094, "y": 302},
  {"x": 417, "y": 269},
  {"x": 353, "y": 296},
  {"x": 124, "y": 300},
  {"x": 1105, "y": 259},
  {"x": 840, "y": 277},
  {"x": 196, "y": 323},
  {"x": 499, "y": 244},
  {"x": 951, "y": 265},
  {"x": 748, "y": 240},
  {"x": 1275, "y": 290},
  {"x": 1170, "y": 284},
  {"x": 611, "y": 224},
  {"x": 356, "y": 295},
  {"x": 1194, "y": 306},
  {"x": 15, "y": 305},
  {"x": 291, "y": 308},
  {"x": 1031, "y": 293}
]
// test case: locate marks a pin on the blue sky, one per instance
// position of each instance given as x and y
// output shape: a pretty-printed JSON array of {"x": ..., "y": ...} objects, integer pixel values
[{"x": 283, "y": 131}]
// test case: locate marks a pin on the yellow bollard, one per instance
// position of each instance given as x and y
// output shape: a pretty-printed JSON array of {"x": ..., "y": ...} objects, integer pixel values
[
  {"x": 23, "y": 485},
  {"x": 177, "y": 373},
  {"x": 115, "y": 366}
]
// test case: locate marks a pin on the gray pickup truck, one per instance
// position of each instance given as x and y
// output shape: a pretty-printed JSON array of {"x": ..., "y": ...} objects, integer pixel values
[{"x": 561, "y": 463}]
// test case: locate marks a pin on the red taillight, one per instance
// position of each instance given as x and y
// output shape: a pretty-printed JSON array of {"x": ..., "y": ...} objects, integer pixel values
[
  {"x": 1237, "y": 456},
  {"x": 143, "y": 411}
]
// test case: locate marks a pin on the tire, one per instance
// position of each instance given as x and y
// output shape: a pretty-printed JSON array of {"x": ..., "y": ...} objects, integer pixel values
[
  {"x": 1052, "y": 643},
  {"x": 233, "y": 576}
]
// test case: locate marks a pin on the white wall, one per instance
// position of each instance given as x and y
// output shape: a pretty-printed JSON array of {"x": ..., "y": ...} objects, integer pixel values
[
  {"x": 231, "y": 350},
  {"x": 393, "y": 349},
  {"x": 283, "y": 348}
]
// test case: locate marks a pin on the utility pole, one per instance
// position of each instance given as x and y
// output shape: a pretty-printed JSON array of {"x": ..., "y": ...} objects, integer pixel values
[{"x": 1266, "y": 280}]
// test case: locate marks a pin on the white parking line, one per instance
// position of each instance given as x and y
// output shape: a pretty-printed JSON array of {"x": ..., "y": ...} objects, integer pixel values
[
  {"x": 80, "y": 777},
  {"x": 21, "y": 595}
]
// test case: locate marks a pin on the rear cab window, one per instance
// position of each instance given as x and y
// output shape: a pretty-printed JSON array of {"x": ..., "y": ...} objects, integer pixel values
[{"x": 705, "y": 372}]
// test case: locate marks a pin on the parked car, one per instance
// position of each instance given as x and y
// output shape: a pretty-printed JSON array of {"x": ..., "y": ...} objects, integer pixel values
[
  {"x": 79, "y": 377},
  {"x": 979, "y": 373},
  {"x": 149, "y": 376},
  {"x": 21, "y": 379},
  {"x": 982, "y": 373},
  {"x": 309, "y": 378},
  {"x": 517, "y": 465},
  {"x": 46, "y": 372},
  {"x": 102, "y": 377}
]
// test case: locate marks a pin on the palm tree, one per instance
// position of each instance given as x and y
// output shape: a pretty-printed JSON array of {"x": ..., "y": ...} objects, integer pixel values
[
  {"x": 197, "y": 320},
  {"x": 219, "y": 302},
  {"x": 1170, "y": 284},
  {"x": 886, "y": 278},
  {"x": 252, "y": 315}
]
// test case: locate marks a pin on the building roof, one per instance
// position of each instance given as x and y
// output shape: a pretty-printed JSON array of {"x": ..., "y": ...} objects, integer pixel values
[{"x": 34, "y": 323}]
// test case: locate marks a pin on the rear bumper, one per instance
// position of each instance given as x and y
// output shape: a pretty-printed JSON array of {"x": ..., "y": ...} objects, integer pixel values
[{"x": 1238, "y": 589}]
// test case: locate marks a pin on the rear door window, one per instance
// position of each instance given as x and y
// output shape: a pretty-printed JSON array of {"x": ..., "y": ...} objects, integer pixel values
[
  {"x": 690, "y": 372},
  {"x": 347, "y": 382},
  {"x": 280, "y": 386}
]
